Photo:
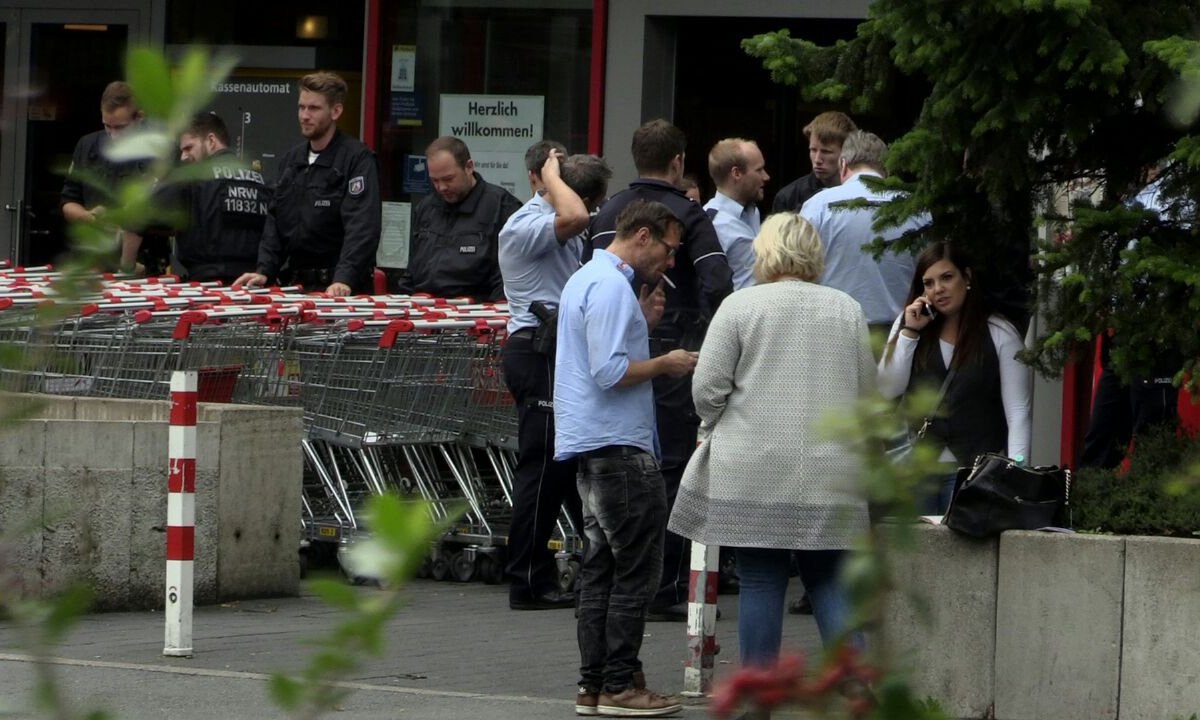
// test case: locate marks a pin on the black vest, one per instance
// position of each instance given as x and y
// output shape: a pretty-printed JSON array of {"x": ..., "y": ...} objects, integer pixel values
[{"x": 971, "y": 418}]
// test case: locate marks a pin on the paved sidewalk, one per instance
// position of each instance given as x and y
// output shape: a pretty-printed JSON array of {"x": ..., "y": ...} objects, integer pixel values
[{"x": 454, "y": 652}]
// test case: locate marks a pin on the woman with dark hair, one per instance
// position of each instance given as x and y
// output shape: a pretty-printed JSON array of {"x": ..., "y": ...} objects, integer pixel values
[{"x": 947, "y": 325}]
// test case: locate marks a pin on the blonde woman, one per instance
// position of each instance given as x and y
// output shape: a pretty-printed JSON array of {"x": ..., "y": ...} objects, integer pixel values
[{"x": 778, "y": 358}]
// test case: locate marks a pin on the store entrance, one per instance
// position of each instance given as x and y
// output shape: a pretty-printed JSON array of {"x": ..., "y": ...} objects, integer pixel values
[
  {"x": 55, "y": 64},
  {"x": 721, "y": 92}
]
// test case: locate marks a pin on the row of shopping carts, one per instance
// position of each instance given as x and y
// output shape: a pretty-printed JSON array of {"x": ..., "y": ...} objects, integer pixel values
[{"x": 399, "y": 393}]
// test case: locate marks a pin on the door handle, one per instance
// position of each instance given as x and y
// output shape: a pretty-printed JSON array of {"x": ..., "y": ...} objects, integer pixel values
[{"x": 16, "y": 241}]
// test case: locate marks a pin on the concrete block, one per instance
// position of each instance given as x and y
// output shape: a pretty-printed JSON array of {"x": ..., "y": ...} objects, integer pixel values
[
  {"x": 148, "y": 539},
  {"x": 1058, "y": 626},
  {"x": 940, "y": 622},
  {"x": 23, "y": 445},
  {"x": 94, "y": 492},
  {"x": 122, "y": 410},
  {"x": 45, "y": 407},
  {"x": 87, "y": 525},
  {"x": 91, "y": 445},
  {"x": 1160, "y": 672},
  {"x": 21, "y": 500},
  {"x": 209, "y": 524},
  {"x": 261, "y": 477},
  {"x": 150, "y": 451},
  {"x": 147, "y": 534}
]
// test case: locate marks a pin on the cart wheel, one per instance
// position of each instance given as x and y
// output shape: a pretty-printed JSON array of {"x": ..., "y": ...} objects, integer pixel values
[
  {"x": 440, "y": 569},
  {"x": 566, "y": 577},
  {"x": 426, "y": 568},
  {"x": 491, "y": 569},
  {"x": 464, "y": 569},
  {"x": 303, "y": 565}
]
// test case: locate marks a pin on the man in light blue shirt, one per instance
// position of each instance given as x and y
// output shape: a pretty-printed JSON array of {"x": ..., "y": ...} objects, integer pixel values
[
  {"x": 739, "y": 172},
  {"x": 880, "y": 286},
  {"x": 604, "y": 419},
  {"x": 539, "y": 249}
]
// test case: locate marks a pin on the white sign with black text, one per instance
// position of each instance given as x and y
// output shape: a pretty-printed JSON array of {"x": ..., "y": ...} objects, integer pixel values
[{"x": 498, "y": 129}]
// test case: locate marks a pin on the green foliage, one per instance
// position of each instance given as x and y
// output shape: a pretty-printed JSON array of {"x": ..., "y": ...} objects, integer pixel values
[
  {"x": 1028, "y": 99},
  {"x": 1152, "y": 498}
]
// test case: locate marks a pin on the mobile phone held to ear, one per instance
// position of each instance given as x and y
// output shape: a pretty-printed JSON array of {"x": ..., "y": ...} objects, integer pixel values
[{"x": 928, "y": 311}]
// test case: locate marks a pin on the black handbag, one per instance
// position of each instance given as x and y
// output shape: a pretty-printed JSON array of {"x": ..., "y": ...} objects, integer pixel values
[{"x": 997, "y": 494}]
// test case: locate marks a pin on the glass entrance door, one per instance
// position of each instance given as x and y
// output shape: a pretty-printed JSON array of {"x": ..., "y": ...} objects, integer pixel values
[{"x": 56, "y": 64}]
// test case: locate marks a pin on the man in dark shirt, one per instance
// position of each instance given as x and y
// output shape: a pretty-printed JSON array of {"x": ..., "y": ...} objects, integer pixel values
[
  {"x": 455, "y": 229},
  {"x": 695, "y": 287},
  {"x": 225, "y": 213},
  {"x": 92, "y": 177},
  {"x": 825, "y": 135},
  {"x": 325, "y": 218}
]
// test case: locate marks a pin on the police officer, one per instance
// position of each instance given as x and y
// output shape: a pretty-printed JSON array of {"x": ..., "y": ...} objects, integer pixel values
[
  {"x": 324, "y": 220},
  {"x": 88, "y": 201},
  {"x": 540, "y": 247},
  {"x": 453, "y": 251},
  {"x": 698, "y": 282},
  {"x": 226, "y": 213}
]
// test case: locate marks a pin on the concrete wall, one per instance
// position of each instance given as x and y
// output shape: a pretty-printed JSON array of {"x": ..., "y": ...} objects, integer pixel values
[
  {"x": 1058, "y": 626},
  {"x": 1161, "y": 639},
  {"x": 83, "y": 498},
  {"x": 1082, "y": 626},
  {"x": 940, "y": 624}
]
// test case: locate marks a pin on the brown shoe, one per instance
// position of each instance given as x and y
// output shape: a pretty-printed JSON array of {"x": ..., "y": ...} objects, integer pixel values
[
  {"x": 586, "y": 702},
  {"x": 636, "y": 702}
]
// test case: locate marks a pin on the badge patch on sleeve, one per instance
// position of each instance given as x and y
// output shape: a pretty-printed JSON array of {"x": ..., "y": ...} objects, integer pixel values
[{"x": 357, "y": 185}]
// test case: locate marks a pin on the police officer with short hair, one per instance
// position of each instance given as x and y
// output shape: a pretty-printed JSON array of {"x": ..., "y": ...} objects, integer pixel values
[
  {"x": 325, "y": 217},
  {"x": 540, "y": 247},
  {"x": 226, "y": 213},
  {"x": 455, "y": 229},
  {"x": 87, "y": 201}
]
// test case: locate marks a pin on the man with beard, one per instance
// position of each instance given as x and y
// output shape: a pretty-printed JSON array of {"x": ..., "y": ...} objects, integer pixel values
[
  {"x": 456, "y": 228},
  {"x": 739, "y": 171},
  {"x": 825, "y": 135},
  {"x": 324, "y": 221},
  {"x": 225, "y": 213}
]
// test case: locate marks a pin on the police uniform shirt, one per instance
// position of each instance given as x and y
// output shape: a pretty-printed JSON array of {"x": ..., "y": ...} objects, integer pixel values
[
  {"x": 881, "y": 287},
  {"x": 226, "y": 218},
  {"x": 453, "y": 251},
  {"x": 701, "y": 274},
  {"x": 736, "y": 225},
  {"x": 325, "y": 215},
  {"x": 534, "y": 264},
  {"x": 88, "y": 159}
]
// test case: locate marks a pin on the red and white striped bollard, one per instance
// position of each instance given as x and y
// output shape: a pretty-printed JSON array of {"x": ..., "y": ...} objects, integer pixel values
[
  {"x": 702, "y": 621},
  {"x": 181, "y": 514}
]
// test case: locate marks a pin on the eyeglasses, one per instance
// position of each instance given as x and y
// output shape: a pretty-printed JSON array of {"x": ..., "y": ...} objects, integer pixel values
[{"x": 671, "y": 249}]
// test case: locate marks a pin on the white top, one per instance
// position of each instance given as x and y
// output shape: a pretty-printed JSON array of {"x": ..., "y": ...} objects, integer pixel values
[{"x": 1016, "y": 379}]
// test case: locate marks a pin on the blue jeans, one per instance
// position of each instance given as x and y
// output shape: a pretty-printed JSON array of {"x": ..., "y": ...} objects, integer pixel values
[
  {"x": 624, "y": 519},
  {"x": 764, "y": 579},
  {"x": 939, "y": 489}
]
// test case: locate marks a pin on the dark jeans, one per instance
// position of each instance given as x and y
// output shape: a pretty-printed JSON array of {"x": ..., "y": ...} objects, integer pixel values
[
  {"x": 624, "y": 518},
  {"x": 677, "y": 424},
  {"x": 541, "y": 486}
]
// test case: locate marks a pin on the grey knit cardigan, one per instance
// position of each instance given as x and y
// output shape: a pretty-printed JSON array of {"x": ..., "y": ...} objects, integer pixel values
[{"x": 777, "y": 360}]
